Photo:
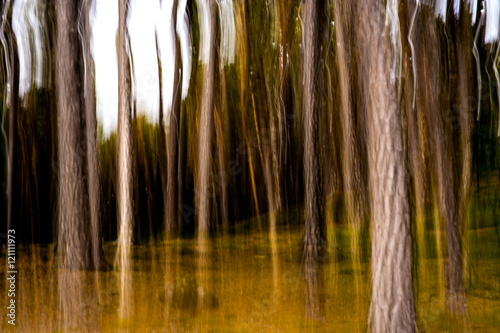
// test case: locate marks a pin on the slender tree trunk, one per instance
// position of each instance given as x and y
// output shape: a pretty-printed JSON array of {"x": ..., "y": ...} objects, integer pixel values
[
  {"x": 163, "y": 149},
  {"x": 173, "y": 145},
  {"x": 13, "y": 78},
  {"x": 124, "y": 190},
  {"x": 456, "y": 289},
  {"x": 414, "y": 129},
  {"x": 91, "y": 127},
  {"x": 315, "y": 233},
  {"x": 285, "y": 10},
  {"x": 73, "y": 241},
  {"x": 124, "y": 165},
  {"x": 314, "y": 226},
  {"x": 219, "y": 135},
  {"x": 351, "y": 169},
  {"x": 464, "y": 78},
  {"x": 205, "y": 128},
  {"x": 392, "y": 307}
]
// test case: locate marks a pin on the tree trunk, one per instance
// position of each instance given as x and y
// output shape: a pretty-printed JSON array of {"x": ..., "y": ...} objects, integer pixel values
[
  {"x": 173, "y": 144},
  {"x": 351, "y": 170},
  {"x": 91, "y": 127},
  {"x": 314, "y": 225},
  {"x": 124, "y": 190},
  {"x": 13, "y": 79},
  {"x": 124, "y": 128},
  {"x": 205, "y": 130},
  {"x": 456, "y": 289},
  {"x": 73, "y": 241},
  {"x": 392, "y": 307}
]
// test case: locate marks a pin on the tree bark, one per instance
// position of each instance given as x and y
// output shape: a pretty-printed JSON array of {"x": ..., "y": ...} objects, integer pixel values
[
  {"x": 173, "y": 144},
  {"x": 124, "y": 190},
  {"x": 124, "y": 167},
  {"x": 351, "y": 170},
  {"x": 392, "y": 306},
  {"x": 314, "y": 225},
  {"x": 91, "y": 127},
  {"x": 13, "y": 79},
  {"x": 205, "y": 128},
  {"x": 73, "y": 243}
]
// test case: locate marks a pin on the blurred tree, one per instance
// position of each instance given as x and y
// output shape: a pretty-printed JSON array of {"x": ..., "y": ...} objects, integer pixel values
[
  {"x": 172, "y": 207},
  {"x": 314, "y": 236},
  {"x": 205, "y": 128},
  {"x": 124, "y": 165},
  {"x": 73, "y": 232},
  {"x": 392, "y": 305},
  {"x": 91, "y": 135}
]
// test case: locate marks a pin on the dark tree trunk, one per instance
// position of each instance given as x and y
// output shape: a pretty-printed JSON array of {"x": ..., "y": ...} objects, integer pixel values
[
  {"x": 314, "y": 235},
  {"x": 463, "y": 45},
  {"x": 73, "y": 242},
  {"x": 163, "y": 148},
  {"x": 172, "y": 207},
  {"x": 392, "y": 306},
  {"x": 354, "y": 199}
]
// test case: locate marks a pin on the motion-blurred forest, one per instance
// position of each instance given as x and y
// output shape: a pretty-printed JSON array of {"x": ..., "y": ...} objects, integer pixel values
[{"x": 380, "y": 118}]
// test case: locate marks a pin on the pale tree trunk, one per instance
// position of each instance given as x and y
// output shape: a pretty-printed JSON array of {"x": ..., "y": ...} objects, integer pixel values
[
  {"x": 392, "y": 306},
  {"x": 124, "y": 190},
  {"x": 73, "y": 243},
  {"x": 205, "y": 130},
  {"x": 314, "y": 235},
  {"x": 171, "y": 209},
  {"x": 91, "y": 128}
]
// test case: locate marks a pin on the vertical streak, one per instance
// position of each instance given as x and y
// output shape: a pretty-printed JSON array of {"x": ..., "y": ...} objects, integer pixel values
[
  {"x": 495, "y": 69},
  {"x": 124, "y": 190},
  {"x": 478, "y": 64},
  {"x": 413, "y": 55}
]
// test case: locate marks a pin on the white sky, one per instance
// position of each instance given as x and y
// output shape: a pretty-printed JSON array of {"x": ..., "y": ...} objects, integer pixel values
[{"x": 145, "y": 17}]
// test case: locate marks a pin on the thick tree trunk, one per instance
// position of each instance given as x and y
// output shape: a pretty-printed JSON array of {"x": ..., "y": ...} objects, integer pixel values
[
  {"x": 205, "y": 130},
  {"x": 392, "y": 307},
  {"x": 173, "y": 144},
  {"x": 73, "y": 241},
  {"x": 314, "y": 226},
  {"x": 91, "y": 127}
]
